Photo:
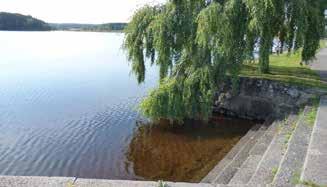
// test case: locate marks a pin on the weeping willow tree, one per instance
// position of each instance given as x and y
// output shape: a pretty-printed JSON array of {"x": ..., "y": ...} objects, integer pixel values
[
  {"x": 297, "y": 23},
  {"x": 262, "y": 13},
  {"x": 197, "y": 43}
]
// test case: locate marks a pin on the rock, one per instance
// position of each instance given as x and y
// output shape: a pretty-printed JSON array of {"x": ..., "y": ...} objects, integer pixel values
[
  {"x": 293, "y": 93},
  {"x": 257, "y": 98},
  {"x": 228, "y": 96}
]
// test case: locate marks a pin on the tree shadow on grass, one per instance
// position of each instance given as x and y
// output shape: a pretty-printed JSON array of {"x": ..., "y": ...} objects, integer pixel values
[{"x": 301, "y": 76}]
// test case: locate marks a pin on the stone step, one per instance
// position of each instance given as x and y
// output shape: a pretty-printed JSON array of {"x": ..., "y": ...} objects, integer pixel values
[
  {"x": 225, "y": 174},
  {"x": 245, "y": 172},
  {"x": 293, "y": 161},
  {"x": 268, "y": 166},
  {"x": 247, "y": 169},
  {"x": 231, "y": 154},
  {"x": 315, "y": 168}
]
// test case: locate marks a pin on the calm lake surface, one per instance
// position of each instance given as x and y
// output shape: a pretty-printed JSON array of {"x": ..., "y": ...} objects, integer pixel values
[{"x": 68, "y": 108}]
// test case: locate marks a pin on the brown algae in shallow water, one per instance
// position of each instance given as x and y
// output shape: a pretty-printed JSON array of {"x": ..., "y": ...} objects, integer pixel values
[{"x": 183, "y": 153}]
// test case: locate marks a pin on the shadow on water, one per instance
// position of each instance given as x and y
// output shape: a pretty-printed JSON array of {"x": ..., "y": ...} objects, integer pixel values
[{"x": 183, "y": 153}]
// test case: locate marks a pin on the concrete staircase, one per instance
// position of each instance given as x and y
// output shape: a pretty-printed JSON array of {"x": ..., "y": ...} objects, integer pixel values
[{"x": 273, "y": 154}]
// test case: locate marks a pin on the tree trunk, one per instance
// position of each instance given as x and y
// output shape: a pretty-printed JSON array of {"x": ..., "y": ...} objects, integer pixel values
[{"x": 265, "y": 46}]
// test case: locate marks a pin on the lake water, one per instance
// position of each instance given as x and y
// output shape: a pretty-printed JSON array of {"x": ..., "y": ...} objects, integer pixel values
[{"x": 68, "y": 108}]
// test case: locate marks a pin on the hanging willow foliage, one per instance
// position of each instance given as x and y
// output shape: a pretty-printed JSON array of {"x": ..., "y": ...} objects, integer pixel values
[{"x": 197, "y": 43}]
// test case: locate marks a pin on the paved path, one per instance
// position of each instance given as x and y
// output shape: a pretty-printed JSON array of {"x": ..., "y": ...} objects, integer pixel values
[
  {"x": 321, "y": 64},
  {"x": 315, "y": 168}
]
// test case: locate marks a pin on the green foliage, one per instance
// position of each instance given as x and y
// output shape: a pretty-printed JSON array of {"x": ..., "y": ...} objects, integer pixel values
[
  {"x": 262, "y": 13},
  {"x": 197, "y": 43},
  {"x": 18, "y": 22},
  {"x": 313, "y": 32},
  {"x": 181, "y": 97},
  {"x": 139, "y": 32}
]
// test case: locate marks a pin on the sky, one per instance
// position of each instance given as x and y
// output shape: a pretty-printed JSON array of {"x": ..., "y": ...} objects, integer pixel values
[{"x": 76, "y": 11}]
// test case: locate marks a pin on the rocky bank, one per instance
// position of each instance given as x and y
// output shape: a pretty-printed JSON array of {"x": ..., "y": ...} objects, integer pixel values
[{"x": 257, "y": 98}]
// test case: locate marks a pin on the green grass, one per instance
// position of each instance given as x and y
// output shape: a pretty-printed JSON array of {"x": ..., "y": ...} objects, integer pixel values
[
  {"x": 311, "y": 116},
  {"x": 296, "y": 180},
  {"x": 310, "y": 184},
  {"x": 323, "y": 44},
  {"x": 289, "y": 134},
  {"x": 286, "y": 68},
  {"x": 274, "y": 171}
]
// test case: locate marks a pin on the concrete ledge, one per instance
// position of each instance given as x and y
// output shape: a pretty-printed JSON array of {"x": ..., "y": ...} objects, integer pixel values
[
  {"x": 20, "y": 181},
  {"x": 123, "y": 183},
  {"x": 24, "y": 181}
]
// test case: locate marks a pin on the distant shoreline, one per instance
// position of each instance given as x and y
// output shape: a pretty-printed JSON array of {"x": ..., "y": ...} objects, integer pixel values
[
  {"x": 113, "y": 31},
  {"x": 19, "y": 22},
  {"x": 106, "y": 27},
  {"x": 61, "y": 31}
]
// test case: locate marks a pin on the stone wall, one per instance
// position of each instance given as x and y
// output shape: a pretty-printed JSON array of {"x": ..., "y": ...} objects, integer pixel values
[{"x": 258, "y": 99}]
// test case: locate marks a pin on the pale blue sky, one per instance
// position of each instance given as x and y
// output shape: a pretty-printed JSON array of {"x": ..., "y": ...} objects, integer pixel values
[{"x": 76, "y": 11}]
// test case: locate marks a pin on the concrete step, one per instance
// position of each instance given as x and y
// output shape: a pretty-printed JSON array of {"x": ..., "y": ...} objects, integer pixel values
[
  {"x": 225, "y": 174},
  {"x": 268, "y": 166},
  {"x": 245, "y": 172},
  {"x": 230, "y": 156},
  {"x": 293, "y": 161},
  {"x": 247, "y": 169},
  {"x": 315, "y": 168}
]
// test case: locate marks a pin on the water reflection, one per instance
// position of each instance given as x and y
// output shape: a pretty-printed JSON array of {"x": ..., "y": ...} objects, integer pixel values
[
  {"x": 183, "y": 153},
  {"x": 67, "y": 108}
]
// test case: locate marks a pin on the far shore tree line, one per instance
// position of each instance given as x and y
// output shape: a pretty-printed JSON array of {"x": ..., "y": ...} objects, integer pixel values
[
  {"x": 19, "y": 22},
  {"x": 198, "y": 44},
  {"x": 107, "y": 27}
]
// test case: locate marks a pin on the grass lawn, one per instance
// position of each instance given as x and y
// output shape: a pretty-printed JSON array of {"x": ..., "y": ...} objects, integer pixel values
[
  {"x": 286, "y": 68},
  {"x": 323, "y": 43}
]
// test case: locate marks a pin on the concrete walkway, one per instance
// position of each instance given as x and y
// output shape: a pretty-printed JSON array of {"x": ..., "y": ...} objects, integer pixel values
[
  {"x": 315, "y": 169},
  {"x": 321, "y": 64}
]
